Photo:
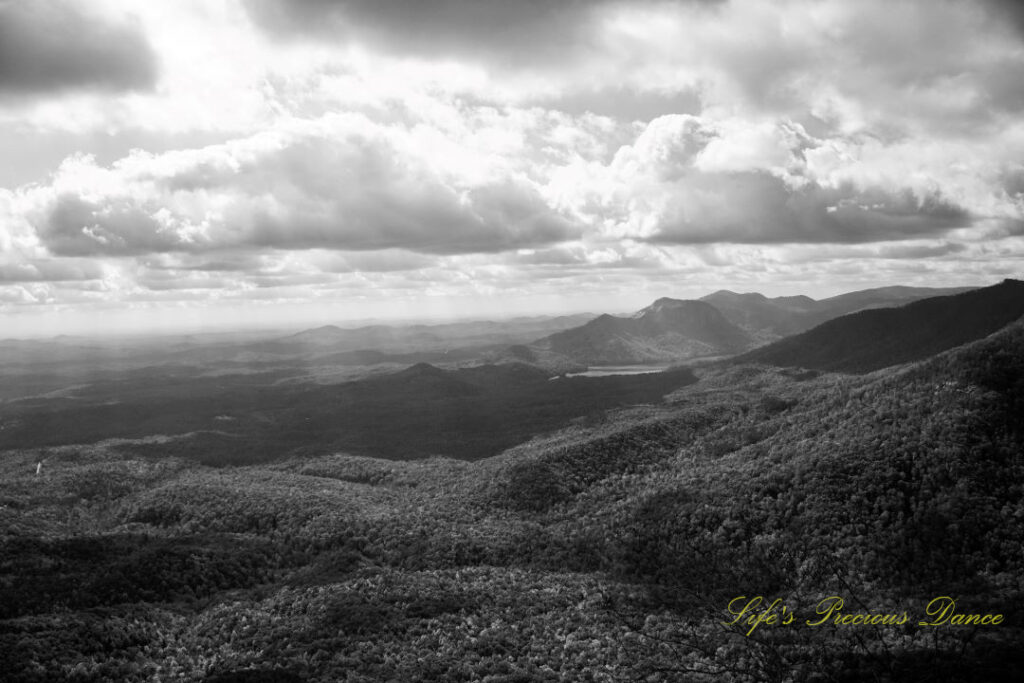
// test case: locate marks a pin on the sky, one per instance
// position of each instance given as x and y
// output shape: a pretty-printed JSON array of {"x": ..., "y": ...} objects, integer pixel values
[{"x": 201, "y": 164}]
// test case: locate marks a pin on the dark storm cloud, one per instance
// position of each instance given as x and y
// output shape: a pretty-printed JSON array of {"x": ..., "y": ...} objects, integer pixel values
[
  {"x": 760, "y": 208},
  {"x": 523, "y": 32},
  {"x": 52, "y": 45}
]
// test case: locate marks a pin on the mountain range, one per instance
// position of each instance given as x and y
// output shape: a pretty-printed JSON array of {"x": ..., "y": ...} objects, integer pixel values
[
  {"x": 397, "y": 339},
  {"x": 768, "y": 319},
  {"x": 719, "y": 324}
]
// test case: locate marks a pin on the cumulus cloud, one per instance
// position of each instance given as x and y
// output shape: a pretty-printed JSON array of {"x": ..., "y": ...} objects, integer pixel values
[
  {"x": 758, "y": 207},
  {"x": 687, "y": 180},
  {"x": 57, "y": 45},
  {"x": 340, "y": 182},
  {"x": 73, "y": 226},
  {"x": 895, "y": 68}
]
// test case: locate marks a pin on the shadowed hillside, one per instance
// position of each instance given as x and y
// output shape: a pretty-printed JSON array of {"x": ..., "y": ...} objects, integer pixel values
[
  {"x": 421, "y": 411},
  {"x": 877, "y": 338},
  {"x": 768, "y": 319}
]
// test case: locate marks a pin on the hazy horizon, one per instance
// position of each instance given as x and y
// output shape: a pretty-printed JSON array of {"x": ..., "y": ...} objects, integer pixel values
[{"x": 134, "y": 328}]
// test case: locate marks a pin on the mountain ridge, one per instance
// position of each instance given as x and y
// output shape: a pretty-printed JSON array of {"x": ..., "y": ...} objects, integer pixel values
[
  {"x": 875, "y": 338},
  {"x": 668, "y": 330},
  {"x": 671, "y": 330}
]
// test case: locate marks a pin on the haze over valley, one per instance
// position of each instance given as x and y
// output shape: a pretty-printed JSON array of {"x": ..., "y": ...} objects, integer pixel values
[{"x": 466, "y": 389}]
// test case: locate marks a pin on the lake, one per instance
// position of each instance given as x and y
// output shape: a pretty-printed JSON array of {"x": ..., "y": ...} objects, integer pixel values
[{"x": 607, "y": 370}]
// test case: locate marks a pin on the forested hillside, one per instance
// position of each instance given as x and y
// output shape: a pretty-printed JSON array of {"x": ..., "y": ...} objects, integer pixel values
[
  {"x": 605, "y": 551},
  {"x": 666, "y": 331},
  {"x": 768, "y": 319},
  {"x": 421, "y": 411},
  {"x": 878, "y": 338},
  {"x": 722, "y": 323}
]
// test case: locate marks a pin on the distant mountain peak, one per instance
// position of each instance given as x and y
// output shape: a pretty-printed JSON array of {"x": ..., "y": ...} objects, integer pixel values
[
  {"x": 796, "y": 298},
  {"x": 422, "y": 369},
  {"x": 667, "y": 304},
  {"x": 321, "y": 331},
  {"x": 729, "y": 294},
  {"x": 668, "y": 330}
]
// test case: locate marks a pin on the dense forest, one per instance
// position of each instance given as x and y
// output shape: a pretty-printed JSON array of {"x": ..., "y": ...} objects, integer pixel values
[
  {"x": 607, "y": 550},
  {"x": 420, "y": 411}
]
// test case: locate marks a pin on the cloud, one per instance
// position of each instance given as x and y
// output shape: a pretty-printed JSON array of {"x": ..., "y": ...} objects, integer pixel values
[
  {"x": 166, "y": 281},
  {"x": 274, "y": 262},
  {"x": 73, "y": 226},
  {"x": 340, "y": 182},
  {"x": 491, "y": 30},
  {"x": 870, "y": 65},
  {"x": 56, "y": 45},
  {"x": 760, "y": 208},
  {"x": 579, "y": 257},
  {"x": 688, "y": 180},
  {"x": 384, "y": 261},
  {"x": 221, "y": 263},
  {"x": 921, "y": 251},
  {"x": 49, "y": 270},
  {"x": 1011, "y": 10},
  {"x": 623, "y": 102}
]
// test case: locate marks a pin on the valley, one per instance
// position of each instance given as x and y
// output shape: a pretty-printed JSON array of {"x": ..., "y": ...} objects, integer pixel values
[{"x": 497, "y": 505}]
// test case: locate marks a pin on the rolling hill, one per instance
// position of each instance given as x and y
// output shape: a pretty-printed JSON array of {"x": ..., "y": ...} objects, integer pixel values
[{"x": 418, "y": 338}]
